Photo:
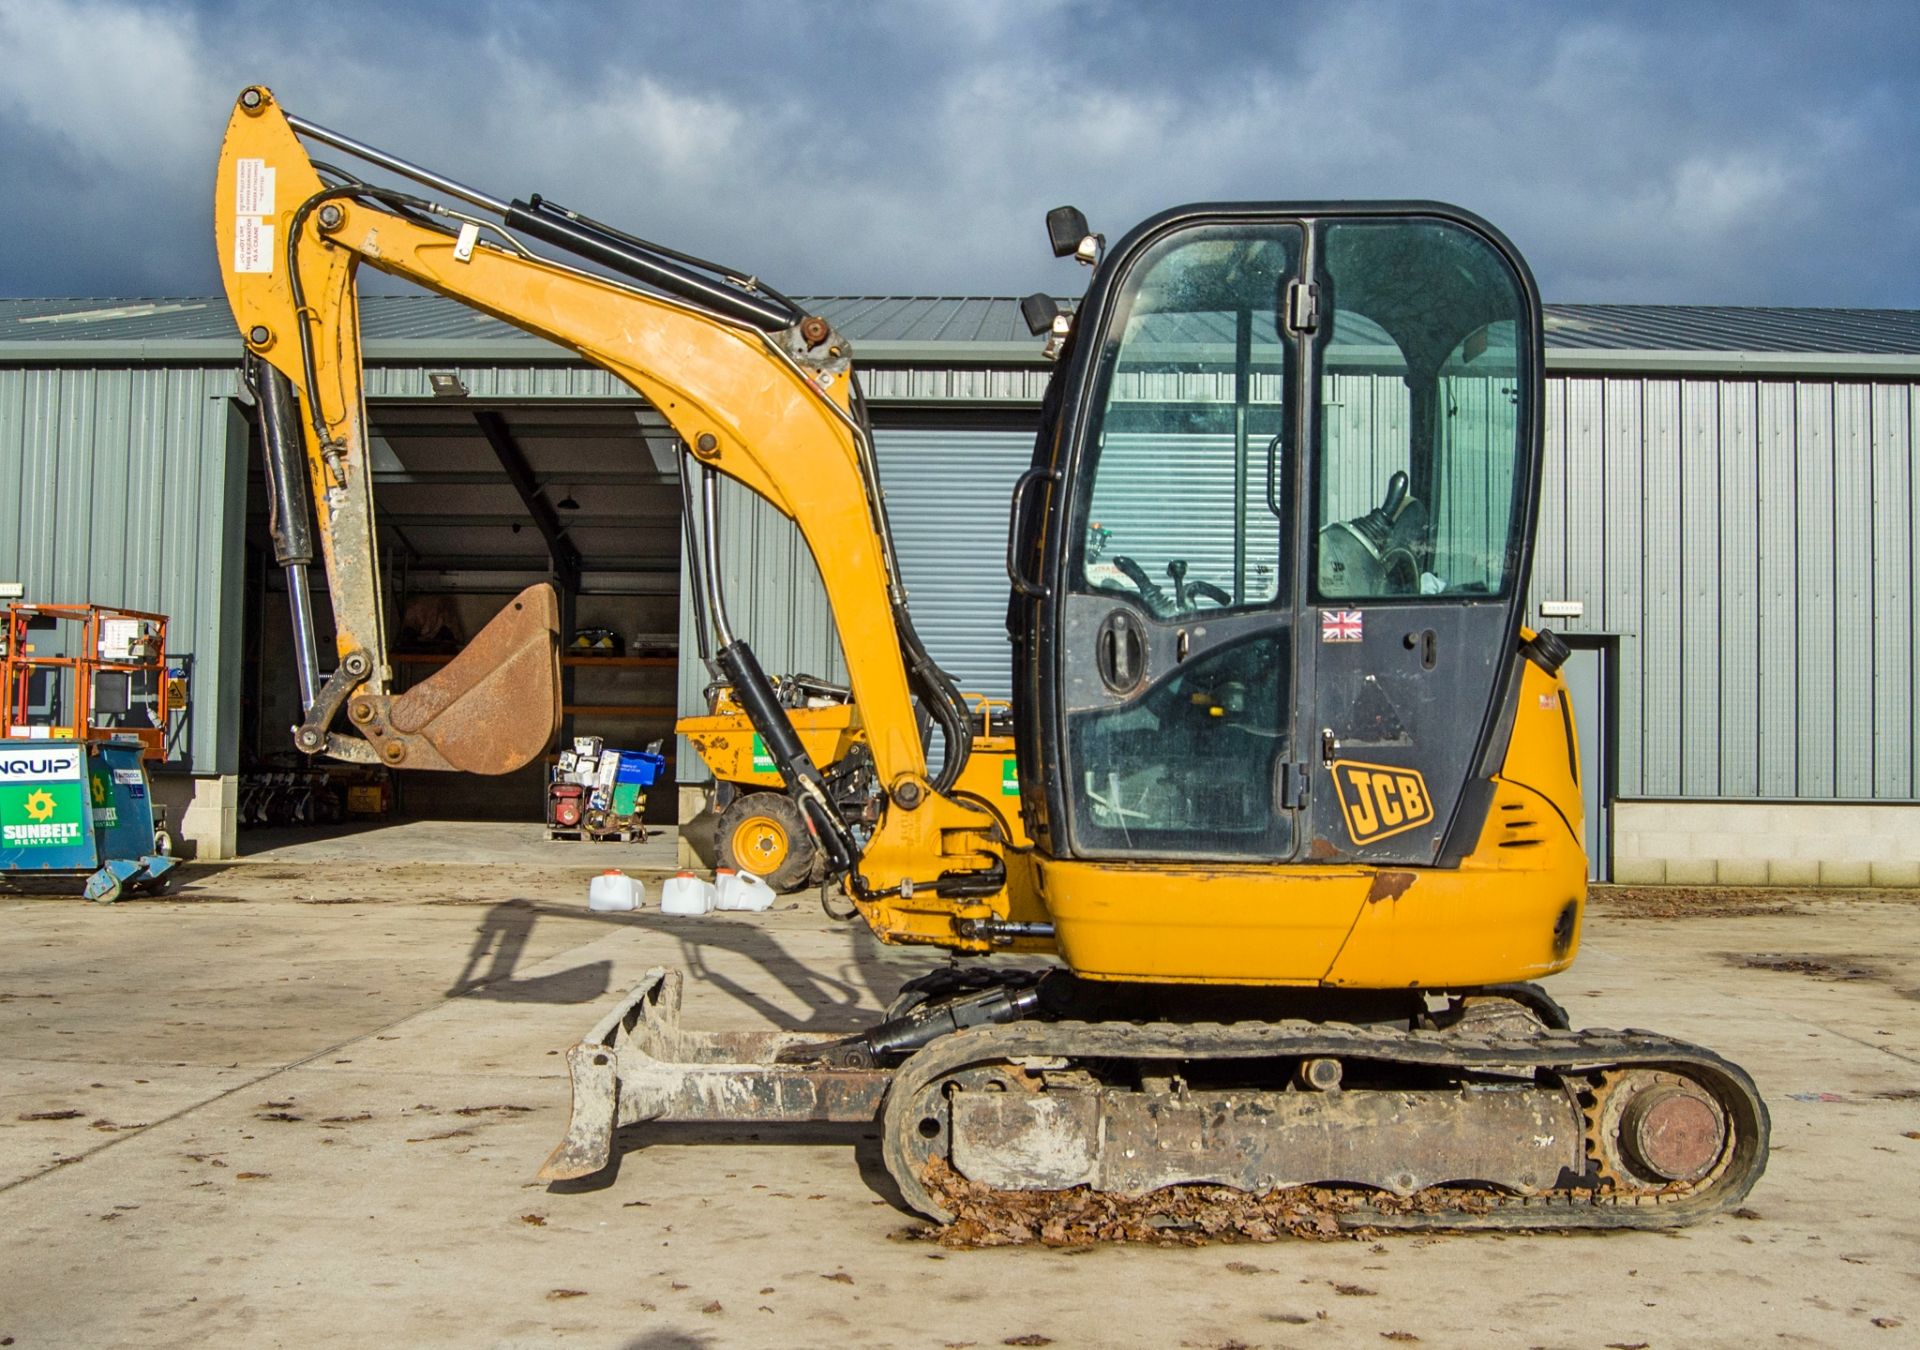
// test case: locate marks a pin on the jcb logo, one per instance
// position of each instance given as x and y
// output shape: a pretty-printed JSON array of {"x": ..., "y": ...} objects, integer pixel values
[{"x": 1379, "y": 800}]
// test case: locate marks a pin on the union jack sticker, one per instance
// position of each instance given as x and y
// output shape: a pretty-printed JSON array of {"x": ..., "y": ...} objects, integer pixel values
[{"x": 1340, "y": 625}]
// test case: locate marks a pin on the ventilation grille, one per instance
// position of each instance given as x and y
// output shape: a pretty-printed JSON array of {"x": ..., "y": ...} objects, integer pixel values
[{"x": 1520, "y": 826}]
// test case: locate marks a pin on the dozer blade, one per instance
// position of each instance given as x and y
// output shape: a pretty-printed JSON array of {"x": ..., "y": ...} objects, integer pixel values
[
  {"x": 638, "y": 1064},
  {"x": 489, "y": 710}
]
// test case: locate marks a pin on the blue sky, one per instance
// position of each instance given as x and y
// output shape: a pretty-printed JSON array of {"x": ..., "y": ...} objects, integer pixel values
[{"x": 1739, "y": 153}]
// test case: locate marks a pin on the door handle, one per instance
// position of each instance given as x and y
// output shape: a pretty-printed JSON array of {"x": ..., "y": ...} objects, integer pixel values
[
  {"x": 1120, "y": 652},
  {"x": 1016, "y": 519}
]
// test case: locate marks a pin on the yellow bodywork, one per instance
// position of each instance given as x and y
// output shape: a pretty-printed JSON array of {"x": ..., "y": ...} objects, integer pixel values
[
  {"x": 1510, "y": 911},
  {"x": 734, "y": 754},
  {"x": 754, "y": 413}
]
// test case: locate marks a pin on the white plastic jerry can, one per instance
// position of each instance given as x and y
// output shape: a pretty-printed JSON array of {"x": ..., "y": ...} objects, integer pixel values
[
  {"x": 685, "y": 893},
  {"x": 748, "y": 892},
  {"x": 614, "y": 891}
]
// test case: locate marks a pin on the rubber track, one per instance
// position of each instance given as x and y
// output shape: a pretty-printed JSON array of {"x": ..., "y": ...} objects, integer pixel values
[{"x": 1566, "y": 1053}]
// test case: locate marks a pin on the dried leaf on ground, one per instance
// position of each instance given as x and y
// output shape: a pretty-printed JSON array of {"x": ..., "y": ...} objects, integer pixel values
[
  {"x": 1691, "y": 902},
  {"x": 534, "y": 1220},
  {"x": 566, "y": 1293},
  {"x": 1177, "y": 1215}
]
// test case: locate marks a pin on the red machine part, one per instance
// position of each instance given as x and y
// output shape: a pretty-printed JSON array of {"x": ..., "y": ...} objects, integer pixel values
[{"x": 564, "y": 804}]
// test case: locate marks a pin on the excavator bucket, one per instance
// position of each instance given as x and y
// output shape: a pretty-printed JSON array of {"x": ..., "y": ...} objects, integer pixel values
[{"x": 489, "y": 710}]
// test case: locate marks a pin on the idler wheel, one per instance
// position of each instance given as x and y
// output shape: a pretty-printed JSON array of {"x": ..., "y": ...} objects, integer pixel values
[{"x": 1671, "y": 1132}]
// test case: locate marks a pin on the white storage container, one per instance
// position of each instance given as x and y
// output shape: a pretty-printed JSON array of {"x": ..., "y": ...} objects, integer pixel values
[
  {"x": 614, "y": 891},
  {"x": 685, "y": 893},
  {"x": 743, "y": 891}
]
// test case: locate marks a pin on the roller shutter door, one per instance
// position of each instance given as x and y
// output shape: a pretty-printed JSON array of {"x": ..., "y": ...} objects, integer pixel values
[{"x": 947, "y": 497}]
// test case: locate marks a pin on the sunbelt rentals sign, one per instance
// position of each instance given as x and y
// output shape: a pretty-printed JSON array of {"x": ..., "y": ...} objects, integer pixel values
[{"x": 43, "y": 796}]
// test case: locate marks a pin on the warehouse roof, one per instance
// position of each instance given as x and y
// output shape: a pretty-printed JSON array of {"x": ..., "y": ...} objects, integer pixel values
[{"x": 981, "y": 329}]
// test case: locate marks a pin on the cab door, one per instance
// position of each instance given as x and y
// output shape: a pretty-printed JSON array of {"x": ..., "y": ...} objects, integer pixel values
[
  {"x": 1418, "y": 465},
  {"x": 1165, "y": 642}
]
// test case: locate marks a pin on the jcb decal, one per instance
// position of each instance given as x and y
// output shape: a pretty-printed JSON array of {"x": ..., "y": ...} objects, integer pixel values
[{"x": 1379, "y": 799}]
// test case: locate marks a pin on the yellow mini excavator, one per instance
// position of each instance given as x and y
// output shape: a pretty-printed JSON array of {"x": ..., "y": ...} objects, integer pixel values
[{"x": 1300, "y": 793}]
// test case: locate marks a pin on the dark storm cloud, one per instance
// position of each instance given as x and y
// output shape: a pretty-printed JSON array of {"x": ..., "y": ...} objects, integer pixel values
[{"x": 1745, "y": 153}]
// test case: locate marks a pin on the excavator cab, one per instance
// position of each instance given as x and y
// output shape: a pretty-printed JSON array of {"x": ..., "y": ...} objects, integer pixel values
[{"x": 1272, "y": 611}]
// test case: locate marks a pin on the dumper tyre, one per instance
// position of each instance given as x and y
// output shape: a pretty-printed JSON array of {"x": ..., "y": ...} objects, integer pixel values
[{"x": 763, "y": 833}]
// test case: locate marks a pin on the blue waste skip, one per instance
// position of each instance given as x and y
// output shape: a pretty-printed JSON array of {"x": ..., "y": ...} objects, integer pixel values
[{"x": 82, "y": 811}]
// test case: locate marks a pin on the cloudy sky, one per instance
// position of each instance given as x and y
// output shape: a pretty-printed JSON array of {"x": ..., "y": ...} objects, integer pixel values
[{"x": 1742, "y": 153}]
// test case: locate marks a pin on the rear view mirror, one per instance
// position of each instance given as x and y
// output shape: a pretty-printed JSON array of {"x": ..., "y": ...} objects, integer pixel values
[
  {"x": 1066, "y": 227},
  {"x": 1039, "y": 310}
]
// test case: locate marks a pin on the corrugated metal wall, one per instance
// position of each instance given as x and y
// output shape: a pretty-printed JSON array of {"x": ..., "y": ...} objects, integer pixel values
[
  {"x": 1752, "y": 544},
  {"x": 127, "y": 487},
  {"x": 947, "y": 497},
  {"x": 947, "y": 494},
  {"x": 775, "y": 600}
]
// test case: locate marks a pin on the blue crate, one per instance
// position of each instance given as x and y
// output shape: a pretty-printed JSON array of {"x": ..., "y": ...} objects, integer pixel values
[{"x": 640, "y": 767}]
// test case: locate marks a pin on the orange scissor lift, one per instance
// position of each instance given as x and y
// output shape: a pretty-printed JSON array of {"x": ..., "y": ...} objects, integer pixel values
[{"x": 88, "y": 701}]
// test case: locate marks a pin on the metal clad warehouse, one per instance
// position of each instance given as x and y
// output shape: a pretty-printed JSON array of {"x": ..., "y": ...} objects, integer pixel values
[{"x": 1728, "y": 536}]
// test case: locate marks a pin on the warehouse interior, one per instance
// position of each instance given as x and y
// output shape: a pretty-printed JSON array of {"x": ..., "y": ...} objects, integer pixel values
[{"x": 478, "y": 500}]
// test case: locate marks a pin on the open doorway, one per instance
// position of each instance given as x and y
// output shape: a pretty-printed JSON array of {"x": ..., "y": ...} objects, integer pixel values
[{"x": 475, "y": 501}]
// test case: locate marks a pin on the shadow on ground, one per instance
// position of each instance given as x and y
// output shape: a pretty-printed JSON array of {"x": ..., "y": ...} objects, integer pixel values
[{"x": 832, "y": 1004}]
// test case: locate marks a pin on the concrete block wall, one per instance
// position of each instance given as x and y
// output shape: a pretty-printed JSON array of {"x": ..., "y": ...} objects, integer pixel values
[
  {"x": 1766, "y": 844},
  {"x": 696, "y": 847},
  {"x": 203, "y": 813}
]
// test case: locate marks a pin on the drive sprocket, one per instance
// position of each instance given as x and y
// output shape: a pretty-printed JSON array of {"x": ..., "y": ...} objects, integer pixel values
[{"x": 1651, "y": 1131}]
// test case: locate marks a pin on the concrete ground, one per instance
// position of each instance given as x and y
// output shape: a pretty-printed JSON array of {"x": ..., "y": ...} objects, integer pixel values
[
  {"x": 304, "y": 1103},
  {"x": 479, "y": 842}
]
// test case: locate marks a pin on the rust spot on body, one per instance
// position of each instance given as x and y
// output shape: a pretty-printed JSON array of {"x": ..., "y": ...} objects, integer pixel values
[{"x": 1390, "y": 885}]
